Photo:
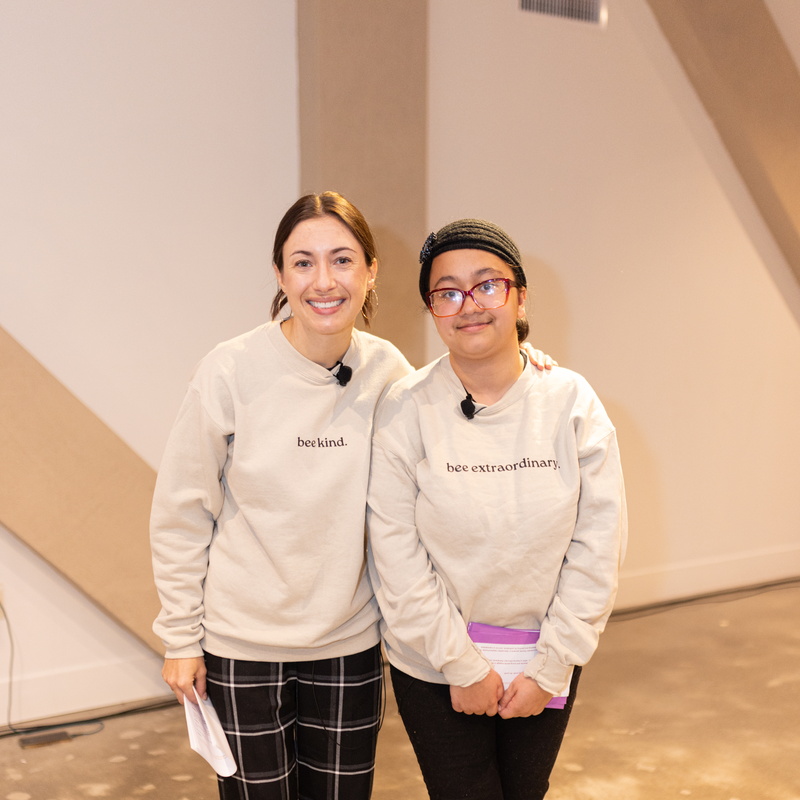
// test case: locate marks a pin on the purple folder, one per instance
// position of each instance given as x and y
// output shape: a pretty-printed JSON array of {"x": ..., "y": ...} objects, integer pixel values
[{"x": 481, "y": 633}]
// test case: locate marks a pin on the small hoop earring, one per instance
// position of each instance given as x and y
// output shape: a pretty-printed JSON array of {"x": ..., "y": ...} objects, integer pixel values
[{"x": 370, "y": 306}]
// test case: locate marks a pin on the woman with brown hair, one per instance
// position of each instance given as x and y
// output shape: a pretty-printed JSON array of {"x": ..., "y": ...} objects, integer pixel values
[{"x": 258, "y": 522}]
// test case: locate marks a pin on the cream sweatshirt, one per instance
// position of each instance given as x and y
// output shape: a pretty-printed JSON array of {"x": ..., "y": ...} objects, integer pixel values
[
  {"x": 515, "y": 518},
  {"x": 257, "y": 525}
]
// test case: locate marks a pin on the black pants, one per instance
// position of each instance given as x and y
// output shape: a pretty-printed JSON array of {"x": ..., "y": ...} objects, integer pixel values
[{"x": 475, "y": 757}]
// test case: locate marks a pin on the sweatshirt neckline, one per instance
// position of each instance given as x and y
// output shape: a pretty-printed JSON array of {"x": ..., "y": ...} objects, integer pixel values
[
  {"x": 514, "y": 393},
  {"x": 298, "y": 363}
]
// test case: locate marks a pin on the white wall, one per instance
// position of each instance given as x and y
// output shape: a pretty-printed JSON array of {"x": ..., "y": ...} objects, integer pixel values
[
  {"x": 147, "y": 151},
  {"x": 68, "y": 655},
  {"x": 652, "y": 273}
]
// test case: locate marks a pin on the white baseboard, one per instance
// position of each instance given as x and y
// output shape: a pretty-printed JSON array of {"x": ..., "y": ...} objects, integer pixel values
[
  {"x": 683, "y": 579},
  {"x": 58, "y": 692}
]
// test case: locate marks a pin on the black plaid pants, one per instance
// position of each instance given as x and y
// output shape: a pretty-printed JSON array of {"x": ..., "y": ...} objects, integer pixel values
[{"x": 301, "y": 730}]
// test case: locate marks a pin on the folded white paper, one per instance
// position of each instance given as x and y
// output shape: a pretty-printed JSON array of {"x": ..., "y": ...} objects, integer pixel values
[{"x": 206, "y": 736}]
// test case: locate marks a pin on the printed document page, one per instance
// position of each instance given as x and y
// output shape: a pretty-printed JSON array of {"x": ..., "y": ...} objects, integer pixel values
[{"x": 206, "y": 736}]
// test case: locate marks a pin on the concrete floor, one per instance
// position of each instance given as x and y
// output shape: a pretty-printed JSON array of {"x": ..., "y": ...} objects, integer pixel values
[{"x": 700, "y": 700}]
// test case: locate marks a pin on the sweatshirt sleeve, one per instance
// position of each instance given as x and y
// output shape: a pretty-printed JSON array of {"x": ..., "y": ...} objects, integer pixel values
[
  {"x": 187, "y": 500},
  {"x": 587, "y": 583},
  {"x": 412, "y": 596}
]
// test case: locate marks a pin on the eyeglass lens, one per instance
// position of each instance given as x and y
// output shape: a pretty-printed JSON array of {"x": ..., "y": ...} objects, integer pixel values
[{"x": 488, "y": 294}]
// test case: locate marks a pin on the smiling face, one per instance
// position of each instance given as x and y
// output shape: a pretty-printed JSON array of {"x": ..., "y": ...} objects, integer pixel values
[
  {"x": 476, "y": 333},
  {"x": 325, "y": 278}
]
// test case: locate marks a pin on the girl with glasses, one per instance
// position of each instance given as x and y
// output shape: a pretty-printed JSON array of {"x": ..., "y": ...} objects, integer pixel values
[{"x": 497, "y": 523}]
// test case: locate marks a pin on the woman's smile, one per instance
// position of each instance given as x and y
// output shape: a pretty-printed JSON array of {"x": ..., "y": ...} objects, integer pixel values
[{"x": 325, "y": 305}]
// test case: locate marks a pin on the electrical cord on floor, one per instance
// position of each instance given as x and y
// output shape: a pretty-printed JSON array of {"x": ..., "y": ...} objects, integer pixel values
[
  {"x": 58, "y": 734},
  {"x": 36, "y": 735},
  {"x": 40, "y": 735}
]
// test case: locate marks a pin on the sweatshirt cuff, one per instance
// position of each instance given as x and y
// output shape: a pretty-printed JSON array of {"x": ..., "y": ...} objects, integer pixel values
[
  {"x": 468, "y": 668},
  {"x": 190, "y": 651},
  {"x": 548, "y": 673}
]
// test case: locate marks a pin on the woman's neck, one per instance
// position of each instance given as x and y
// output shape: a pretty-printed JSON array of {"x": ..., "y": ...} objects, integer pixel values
[
  {"x": 487, "y": 380},
  {"x": 325, "y": 350}
]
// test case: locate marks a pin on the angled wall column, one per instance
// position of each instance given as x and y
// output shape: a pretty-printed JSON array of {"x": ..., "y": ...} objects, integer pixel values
[
  {"x": 74, "y": 492},
  {"x": 745, "y": 76},
  {"x": 363, "y": 117}
]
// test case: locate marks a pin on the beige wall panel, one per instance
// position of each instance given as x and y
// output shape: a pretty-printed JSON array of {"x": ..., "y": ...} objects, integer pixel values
[
  {"x": 74, "y": 492},
  {"x": 363, "y": 75},
  {"x": 746, "y": 77}
]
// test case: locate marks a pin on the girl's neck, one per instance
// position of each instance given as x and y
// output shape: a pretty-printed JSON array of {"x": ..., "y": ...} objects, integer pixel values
[
  {"x": 325, "y": 350},
  {"x": 487, "y": 380}
]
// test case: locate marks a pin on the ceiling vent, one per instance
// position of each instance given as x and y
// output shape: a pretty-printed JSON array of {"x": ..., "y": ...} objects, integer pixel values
[{"x": 585, "y": 10}]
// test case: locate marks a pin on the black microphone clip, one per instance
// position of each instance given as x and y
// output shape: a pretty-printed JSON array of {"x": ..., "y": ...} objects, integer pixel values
[
  {"x": 343, "y": 374},
  {"x": 468, "y": 406}
]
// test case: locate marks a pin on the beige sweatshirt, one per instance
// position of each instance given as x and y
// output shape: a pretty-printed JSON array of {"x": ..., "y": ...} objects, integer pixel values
[
  {"x": 257, "y": 524},
  {"x": 515, "y": 518}
]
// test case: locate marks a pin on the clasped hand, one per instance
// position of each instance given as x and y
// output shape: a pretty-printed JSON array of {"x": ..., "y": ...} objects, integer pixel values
[{"x": 523, "y": 698}]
